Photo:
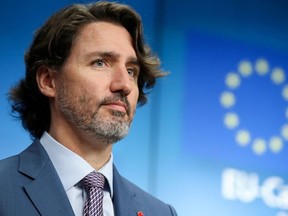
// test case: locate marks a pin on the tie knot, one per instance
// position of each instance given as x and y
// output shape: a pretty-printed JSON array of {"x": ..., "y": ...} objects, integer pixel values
[{"x": 94, "y": 179}]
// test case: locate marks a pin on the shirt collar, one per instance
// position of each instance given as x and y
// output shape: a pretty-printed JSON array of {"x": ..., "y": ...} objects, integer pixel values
[{"x": 70, "y": 167}]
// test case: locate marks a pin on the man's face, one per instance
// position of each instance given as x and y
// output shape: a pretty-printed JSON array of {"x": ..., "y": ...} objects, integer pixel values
[{"x": 97, "y": 91}]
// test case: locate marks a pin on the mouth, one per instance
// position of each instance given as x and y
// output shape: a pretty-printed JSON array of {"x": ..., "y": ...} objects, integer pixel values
[{"x": 117, "y": 106}]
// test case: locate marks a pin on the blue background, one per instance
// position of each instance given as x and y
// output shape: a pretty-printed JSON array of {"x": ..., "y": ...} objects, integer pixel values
[{"x": 179, "y": 147}]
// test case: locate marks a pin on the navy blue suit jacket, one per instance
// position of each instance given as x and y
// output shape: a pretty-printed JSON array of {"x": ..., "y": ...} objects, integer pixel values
[{"x": 30, "y": 186}]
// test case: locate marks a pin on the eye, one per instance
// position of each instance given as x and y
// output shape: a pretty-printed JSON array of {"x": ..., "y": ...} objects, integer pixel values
[
  {"x": 99, "y": 63},
  {"x": 132, "y": 72}
]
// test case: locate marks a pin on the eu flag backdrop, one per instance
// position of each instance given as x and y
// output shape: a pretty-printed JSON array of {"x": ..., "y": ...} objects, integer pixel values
[{"x": 235, "y": 125}]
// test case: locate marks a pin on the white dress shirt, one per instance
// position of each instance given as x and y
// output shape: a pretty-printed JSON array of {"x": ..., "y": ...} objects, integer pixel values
[{"x": 71, "y": 169}]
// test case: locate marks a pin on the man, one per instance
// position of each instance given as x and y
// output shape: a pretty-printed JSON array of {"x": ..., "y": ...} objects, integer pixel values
[{"x": 86, "y": 71}]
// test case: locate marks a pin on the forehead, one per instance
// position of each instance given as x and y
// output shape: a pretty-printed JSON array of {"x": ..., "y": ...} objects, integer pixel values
[{"x": 104, "y": 35}]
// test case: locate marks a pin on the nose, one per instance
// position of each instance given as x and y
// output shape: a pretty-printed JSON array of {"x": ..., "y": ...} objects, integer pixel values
[{"x": 121, "y": 82}]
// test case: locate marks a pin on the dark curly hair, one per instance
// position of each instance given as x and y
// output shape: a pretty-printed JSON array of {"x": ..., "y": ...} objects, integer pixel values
[{"x": 52, "y": 45}]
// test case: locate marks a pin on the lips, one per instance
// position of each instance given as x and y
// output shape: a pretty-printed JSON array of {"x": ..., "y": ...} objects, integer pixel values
[
  {"x": 117, "y": 105},
  {"x": 120, "y": 104}
]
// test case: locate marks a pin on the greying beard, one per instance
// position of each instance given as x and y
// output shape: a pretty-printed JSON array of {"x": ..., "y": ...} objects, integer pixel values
[
  {"x": 108, "y": 131},
  {"x": 78, "y": 111}
]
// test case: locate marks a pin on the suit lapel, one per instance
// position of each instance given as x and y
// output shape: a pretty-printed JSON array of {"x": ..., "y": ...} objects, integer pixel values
[
  {"x": 45, "y": 190},
  {"x": 124, "y": 200}
]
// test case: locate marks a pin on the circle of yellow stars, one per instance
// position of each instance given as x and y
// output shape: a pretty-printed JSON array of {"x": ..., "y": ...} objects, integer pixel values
[{"x": 231, "y": 119}]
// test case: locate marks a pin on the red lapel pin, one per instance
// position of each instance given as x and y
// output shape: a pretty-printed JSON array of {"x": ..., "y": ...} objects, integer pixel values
[{"x": 140, "y": 213}]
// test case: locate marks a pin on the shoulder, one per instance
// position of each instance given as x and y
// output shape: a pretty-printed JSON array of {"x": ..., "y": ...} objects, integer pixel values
[
  {"x": 11, "y": 168},
  {"x": 147, "y": 201},
  {"x": 152, "y": 201},
  {"x": 10, "y": 177},
  {"x": 9, "y": 165}
]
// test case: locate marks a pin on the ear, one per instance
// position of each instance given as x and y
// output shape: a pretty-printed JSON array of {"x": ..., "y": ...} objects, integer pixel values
[{"x": 46, "y": 81}]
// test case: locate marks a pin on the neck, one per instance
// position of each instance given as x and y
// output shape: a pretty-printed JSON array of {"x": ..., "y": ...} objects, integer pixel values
[{"x": 95, "y": 151}]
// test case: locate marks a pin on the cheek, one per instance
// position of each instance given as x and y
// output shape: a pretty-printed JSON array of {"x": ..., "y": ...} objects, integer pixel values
[
  {"x": 92, "y": 87},
  {"x": 134, "y": 97}
]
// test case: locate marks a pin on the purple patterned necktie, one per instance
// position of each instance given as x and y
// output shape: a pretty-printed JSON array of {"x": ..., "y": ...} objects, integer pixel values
[{"x": 94, "y": 184}]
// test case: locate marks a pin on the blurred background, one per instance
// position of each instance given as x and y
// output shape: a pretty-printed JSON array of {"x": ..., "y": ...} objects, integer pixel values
[{"x": 213, "y": 138}]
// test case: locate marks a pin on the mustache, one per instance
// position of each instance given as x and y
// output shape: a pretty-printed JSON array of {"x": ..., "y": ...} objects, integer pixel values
[{"x": 117, "y": 98}]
